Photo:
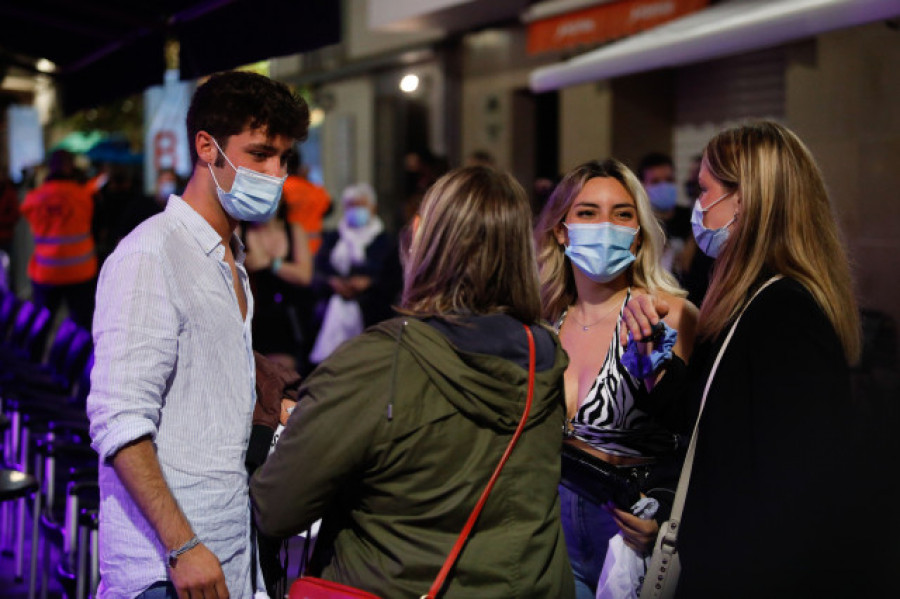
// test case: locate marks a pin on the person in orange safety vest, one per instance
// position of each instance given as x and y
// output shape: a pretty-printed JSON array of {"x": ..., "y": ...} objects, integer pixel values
[
  {"x": 307, "y": 203},
  {"x": 64, "y": 264}
]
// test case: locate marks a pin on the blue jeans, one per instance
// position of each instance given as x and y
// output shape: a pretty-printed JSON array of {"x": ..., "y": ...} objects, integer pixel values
[
  {"x": 587, "y": 528},
  {"x": 159, "y": 590}
]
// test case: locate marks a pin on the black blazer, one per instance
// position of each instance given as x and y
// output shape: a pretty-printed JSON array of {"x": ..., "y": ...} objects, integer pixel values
[{"x": 779, "y": 503}]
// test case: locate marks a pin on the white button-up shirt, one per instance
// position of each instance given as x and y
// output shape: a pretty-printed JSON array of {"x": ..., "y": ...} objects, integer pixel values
[{"x": 173, "y": 361}]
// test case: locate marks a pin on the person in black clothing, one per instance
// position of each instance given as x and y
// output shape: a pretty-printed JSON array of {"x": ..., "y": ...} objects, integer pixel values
[
  {"x": 694, "y": 267},
  {"x": 280, "y": 268},
  {"x": 781, "y": 499},
  {"x": 656, "y": 172}
]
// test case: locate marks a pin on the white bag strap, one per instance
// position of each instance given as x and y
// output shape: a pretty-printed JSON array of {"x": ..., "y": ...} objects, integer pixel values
[{"x": 684, "y": 479}]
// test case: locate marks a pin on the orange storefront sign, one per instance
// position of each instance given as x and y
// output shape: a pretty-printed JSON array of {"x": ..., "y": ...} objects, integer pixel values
[{"x": 598, "y": 24}]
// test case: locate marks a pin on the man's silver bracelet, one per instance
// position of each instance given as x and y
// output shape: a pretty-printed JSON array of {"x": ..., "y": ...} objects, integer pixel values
[{"x": 175, "y": 553}]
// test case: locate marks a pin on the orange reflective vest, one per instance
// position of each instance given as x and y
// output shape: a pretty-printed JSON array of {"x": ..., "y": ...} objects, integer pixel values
[
  {"x": 306, "y": 203},
  {"x": 60, "y": 212}
]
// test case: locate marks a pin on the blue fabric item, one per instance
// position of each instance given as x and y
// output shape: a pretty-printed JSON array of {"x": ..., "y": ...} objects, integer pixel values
[
  {"x": 641, "y": 366},
  {"x": 663, "y": 196}
]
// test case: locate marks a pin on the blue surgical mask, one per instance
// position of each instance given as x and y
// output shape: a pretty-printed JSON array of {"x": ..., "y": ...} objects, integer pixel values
[
  {"x": 601, "y": 251},
  {"x": 357, "y": 216},
  {"x": 710, "y": 241},
  {"x": 663, "y": 196},
  {"x": 253, "y": 197}
]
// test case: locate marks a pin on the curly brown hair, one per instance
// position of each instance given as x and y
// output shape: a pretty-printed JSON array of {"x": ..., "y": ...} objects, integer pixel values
[{"x": 231, "y": 101}]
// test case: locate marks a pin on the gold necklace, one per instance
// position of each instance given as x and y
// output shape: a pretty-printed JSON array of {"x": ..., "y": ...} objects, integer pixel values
[{"x": 585, "y": 327}]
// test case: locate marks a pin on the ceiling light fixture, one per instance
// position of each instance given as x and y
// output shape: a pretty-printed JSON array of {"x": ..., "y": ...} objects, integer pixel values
[{"x": 409, "y": 84}]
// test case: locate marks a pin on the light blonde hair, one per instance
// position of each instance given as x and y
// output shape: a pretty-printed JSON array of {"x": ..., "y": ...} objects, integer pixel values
[
  {"x": 472, "y": 252},
  {"x": 556, "y": 278},
  {"x": 785, "y": 226}
]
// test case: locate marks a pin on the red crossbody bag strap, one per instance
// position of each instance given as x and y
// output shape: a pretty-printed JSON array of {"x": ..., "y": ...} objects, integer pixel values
[{"x": 464, "y": 535}]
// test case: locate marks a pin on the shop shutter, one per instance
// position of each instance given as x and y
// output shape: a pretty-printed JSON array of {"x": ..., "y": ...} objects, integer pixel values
[{"x": 717, "y": 94}]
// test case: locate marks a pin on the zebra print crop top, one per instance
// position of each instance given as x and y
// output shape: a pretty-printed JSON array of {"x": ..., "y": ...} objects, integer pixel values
[{"x": 608, "y": 418}]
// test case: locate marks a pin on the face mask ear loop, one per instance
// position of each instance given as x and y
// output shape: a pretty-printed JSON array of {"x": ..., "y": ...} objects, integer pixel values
[
  {"x": 222, "y": 152},
  {"x": 213, "y": 175},
  {"x": 721, "y": 199},
  {"x": 732, "y": 221},
  {"x": 734, "y": 216}
]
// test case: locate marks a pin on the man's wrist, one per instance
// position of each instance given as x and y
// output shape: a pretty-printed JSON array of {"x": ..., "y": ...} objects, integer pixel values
[{"x": 173, "y": 555}]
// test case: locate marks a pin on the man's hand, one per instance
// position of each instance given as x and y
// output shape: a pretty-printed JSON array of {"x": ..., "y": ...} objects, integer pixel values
[
  {"x": 198, "y": 575},
  {"x": 287, "y": 407}
]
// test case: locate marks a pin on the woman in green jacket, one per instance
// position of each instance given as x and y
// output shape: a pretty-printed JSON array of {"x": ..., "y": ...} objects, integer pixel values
[{"x": 397, "y": 433}]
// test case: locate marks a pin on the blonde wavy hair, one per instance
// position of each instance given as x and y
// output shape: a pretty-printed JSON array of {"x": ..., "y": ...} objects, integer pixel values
[
  {"x": 554, "y": 268},
  {"x": 785, "y": 226},
  {"x": 472, "y": 251}
]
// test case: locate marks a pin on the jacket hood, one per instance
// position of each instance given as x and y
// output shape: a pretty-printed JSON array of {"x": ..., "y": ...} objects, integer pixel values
[{"x": 489, "y": 389}]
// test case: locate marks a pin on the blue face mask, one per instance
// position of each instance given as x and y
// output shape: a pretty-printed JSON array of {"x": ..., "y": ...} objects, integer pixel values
[
  {"x": 253, "y": 197},
  {"x": 710, "y": 241},
  {"x": 357, "y": 216},
  {"x": 601, "y": 251},
  {"x": 663, "y": 196}
]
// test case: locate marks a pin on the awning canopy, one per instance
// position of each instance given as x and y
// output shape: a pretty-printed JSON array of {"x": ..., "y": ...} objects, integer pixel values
[
  {"x": 104, "y": 50},
  {"x": 603, "y": 22},
  {"x": 726, "y": 28}
]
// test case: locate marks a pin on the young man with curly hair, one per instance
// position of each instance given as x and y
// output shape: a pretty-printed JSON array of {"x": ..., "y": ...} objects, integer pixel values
[{"x": 173, "y": 382}]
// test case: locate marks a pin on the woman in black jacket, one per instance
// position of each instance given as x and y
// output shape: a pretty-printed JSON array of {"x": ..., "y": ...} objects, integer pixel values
[{"x": 778, "y": 479}]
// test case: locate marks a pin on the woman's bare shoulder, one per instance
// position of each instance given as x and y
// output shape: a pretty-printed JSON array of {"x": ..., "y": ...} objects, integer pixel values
[{"x": 679, "y": 307}]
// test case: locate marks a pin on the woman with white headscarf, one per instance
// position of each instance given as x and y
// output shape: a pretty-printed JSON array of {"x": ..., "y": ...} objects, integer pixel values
[{"x": 349, "y": 268}]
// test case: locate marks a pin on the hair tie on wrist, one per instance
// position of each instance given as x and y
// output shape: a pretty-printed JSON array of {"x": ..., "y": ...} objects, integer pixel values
[{"x": 641, "y": 366}]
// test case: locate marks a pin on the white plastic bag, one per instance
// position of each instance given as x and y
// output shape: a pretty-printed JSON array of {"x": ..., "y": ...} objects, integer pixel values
[
  {"x": 623, "y": 569},
  {"x": 343, "y": 320}
]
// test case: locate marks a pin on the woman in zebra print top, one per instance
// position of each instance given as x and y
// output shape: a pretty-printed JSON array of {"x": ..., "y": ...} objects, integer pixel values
[{"x": 598, "y": 246}]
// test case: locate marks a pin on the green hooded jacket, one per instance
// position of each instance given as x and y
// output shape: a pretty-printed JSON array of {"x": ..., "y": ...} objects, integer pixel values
[{"x": 393, "y": 442}]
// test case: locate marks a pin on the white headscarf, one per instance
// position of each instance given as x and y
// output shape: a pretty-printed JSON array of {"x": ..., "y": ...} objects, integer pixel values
[{"x": 351, "y": 246}]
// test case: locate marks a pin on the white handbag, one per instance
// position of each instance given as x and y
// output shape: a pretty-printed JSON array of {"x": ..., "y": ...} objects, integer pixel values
[{"x": 662, "y": 575}]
